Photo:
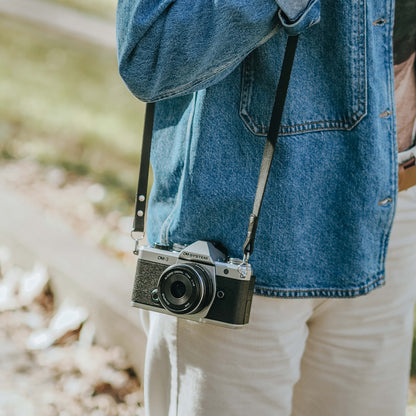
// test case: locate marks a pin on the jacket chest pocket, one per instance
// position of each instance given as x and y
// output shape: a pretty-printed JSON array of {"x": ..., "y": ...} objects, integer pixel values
[{"x": 327, "y": 88}]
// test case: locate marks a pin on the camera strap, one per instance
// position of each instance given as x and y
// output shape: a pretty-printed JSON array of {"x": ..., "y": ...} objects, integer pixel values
[
  {"x": 141, "y": 195},
  {"x": 274, "y": 126},
  {"x": 271, "y": 141}
]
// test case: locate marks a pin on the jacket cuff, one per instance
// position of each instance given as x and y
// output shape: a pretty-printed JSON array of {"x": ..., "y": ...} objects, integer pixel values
[{"x": 301, "y": 21}]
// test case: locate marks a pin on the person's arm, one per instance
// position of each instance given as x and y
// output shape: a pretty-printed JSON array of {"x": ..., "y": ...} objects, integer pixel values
[{"x": 168, "y": 47}]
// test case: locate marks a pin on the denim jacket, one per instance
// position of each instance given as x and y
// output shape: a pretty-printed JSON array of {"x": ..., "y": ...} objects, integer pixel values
[{"x": 212, "y": 66}]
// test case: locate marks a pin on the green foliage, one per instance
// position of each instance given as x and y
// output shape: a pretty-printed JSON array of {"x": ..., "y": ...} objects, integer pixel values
[
  {"x": 63, "y": 103},
  {"x": 413, "y": 364}
]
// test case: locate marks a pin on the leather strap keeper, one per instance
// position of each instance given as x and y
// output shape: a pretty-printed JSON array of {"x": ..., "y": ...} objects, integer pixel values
[{"x": 407, "y": 174}]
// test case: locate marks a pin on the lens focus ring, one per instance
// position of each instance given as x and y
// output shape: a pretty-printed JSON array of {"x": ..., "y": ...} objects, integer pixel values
[{"x": 185, "y": 288}]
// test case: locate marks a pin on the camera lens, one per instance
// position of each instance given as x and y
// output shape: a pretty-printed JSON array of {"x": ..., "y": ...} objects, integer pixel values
[
  {"x": 177, "y": 289},
  {"x": 185, "y": 288}
]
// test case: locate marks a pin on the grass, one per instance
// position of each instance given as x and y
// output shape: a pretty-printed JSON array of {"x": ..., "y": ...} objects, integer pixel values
[
  {"x": 413, "y": 364},
  {"x": 63, "y": 103}
]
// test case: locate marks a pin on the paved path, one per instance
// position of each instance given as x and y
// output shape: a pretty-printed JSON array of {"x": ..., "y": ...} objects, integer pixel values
[
  {"x": 78, "y": 269},
  {"x": 64, "y": 19}
]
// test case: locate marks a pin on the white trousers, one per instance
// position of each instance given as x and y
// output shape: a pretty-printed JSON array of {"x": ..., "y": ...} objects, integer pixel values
[{"x": 299, "y": 357}]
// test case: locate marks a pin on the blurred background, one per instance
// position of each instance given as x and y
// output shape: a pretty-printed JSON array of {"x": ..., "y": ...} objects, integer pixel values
[
  {"x": 70, "y": 132},
  {"x": 70, "y": 137},
  {"x": 62, "y": 104}
]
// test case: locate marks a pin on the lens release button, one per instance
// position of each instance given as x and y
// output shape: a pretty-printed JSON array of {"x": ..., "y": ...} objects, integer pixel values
[{"x": 155, "y": 296}]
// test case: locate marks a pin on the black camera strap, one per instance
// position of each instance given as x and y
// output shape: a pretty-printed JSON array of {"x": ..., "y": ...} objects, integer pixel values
[
  {"x": 271, "y": 141},
  {"x": 274, "y": 126},
  {"x": 141, "y": 195}
]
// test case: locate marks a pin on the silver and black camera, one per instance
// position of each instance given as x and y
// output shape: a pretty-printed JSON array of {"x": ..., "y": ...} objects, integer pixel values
[{"x": 196, "y": 282}]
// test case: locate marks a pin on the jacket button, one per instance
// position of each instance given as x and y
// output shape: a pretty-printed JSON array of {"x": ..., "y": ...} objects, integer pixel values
[
  {"x": 385, "y": 114},
  {"x": 385, "y": 201},
  {"x": 379, "y": 22}
]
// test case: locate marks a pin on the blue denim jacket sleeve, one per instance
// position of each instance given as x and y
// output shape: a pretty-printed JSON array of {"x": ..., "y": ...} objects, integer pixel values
[{"x": 169, "y": 48}]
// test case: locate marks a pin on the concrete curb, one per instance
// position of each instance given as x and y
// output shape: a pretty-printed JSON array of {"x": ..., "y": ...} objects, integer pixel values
[{"x": 79, "y": 271}]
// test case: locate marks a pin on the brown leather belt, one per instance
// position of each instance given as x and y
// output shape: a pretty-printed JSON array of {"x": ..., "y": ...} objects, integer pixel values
[{"x": 407, "y": 174}]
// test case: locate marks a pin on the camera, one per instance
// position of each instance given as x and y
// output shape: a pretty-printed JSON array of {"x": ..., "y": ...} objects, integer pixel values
[{"x": 196, "y": 282}]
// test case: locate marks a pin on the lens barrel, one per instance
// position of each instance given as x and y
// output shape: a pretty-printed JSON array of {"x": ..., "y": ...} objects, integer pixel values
[{"x": 185, "y": 288}]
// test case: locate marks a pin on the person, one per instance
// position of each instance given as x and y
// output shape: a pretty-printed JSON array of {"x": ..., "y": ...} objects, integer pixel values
[{"x": 315, "y": 346}]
